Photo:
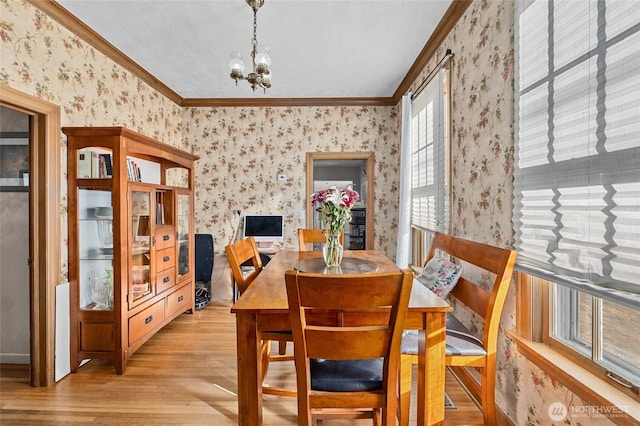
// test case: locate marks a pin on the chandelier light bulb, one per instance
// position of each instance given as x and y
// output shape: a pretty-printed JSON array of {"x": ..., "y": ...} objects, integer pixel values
[
  {"x": 262, "y": 55},
  {"x": 263, "y": 60},
  {"x": 236, "y": 65},
  {"x": 266, "y": 80}
]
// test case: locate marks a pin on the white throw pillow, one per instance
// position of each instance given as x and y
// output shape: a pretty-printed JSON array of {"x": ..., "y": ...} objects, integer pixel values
[{"x": 440, "y": 276}]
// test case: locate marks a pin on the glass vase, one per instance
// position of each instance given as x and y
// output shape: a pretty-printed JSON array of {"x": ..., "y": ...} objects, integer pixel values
[
  {"x": 332, "y": 250},
  {"x": 101, "y": 289}
]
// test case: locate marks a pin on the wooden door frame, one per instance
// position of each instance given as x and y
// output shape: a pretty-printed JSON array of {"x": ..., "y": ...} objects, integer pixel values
[
  {"x": 44, "y": 227},
  {"x": 369, "y": 158}
]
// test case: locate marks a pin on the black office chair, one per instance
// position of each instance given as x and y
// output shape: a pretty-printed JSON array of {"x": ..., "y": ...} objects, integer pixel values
[{"x": 204, "y": 269}]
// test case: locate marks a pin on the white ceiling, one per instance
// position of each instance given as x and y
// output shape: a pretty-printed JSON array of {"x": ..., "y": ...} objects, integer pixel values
[{"x": 319, "y": 48}]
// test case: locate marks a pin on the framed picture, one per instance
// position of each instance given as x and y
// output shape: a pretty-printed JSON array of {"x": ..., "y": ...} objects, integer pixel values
[
  {"x": 14, "y": 161},
  {"x": 141, "y": 230}
]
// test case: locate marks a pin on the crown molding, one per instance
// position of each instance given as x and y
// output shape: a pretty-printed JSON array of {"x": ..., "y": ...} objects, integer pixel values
[
  {"x": 448, "y": 22},
  {"x": 285, "y": 102},
  {"x": 75, "y": 25}
]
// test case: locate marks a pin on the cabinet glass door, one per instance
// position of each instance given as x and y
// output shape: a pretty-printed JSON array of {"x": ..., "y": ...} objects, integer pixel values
[
  {"x": 183, "y": 234},
  {"x": 95, "y": 239},
  {"x": 140, "y": 245}
]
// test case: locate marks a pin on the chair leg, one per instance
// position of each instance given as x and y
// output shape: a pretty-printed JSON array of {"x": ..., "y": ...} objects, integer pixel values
[
  {"x": 377, "y": 417},
  {"x": 265, "y": 349},
  {"x": 266, "y": 358},
  {"x": 487, "y": 394},
  {"x": 282, "y": 347},
  {"x": 406, "y": 381}
]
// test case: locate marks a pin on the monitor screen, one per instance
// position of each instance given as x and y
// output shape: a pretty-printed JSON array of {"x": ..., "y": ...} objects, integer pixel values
[{"x": 264, "y": 228}]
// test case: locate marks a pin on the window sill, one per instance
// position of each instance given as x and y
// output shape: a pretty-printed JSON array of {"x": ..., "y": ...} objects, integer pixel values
[
  {"x": 416, "y": 269},
  {"x": 580, "y": 381}
]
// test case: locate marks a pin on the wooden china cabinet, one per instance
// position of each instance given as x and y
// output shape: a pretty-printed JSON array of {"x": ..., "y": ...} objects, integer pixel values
[{"x": 131, "y": 240}]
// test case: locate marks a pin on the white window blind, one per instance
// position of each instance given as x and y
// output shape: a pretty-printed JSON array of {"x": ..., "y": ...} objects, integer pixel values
[
  {"x": 429, "y": 158},
  {"x": 577, "y": 174}
]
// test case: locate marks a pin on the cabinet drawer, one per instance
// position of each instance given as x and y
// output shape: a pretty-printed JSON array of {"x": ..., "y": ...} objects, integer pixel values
[
  {"x": 146, "y": 321},
  {"x": 165, "y": 259},
  {"x": 165, "y": 279},
  {"x": 179, "y": 301},
  {"x": 165, "y": 237}
]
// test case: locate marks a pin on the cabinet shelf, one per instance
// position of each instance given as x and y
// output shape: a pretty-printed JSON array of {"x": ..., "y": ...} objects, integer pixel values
[
  {"x": 123, "y": 268},
  {"x": 97, "y": 257},
  {"x": 139, "y": 251},
  {"x": 92, "y": 307},
  {"x": 94, "y": 183},
  {"x": 357, "y": 229}
]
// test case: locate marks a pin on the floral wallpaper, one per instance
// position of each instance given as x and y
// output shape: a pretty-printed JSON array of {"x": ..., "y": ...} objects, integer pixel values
[
  {"x": 482, "y": 186},
  {"x": 44, "y": 59},
  {"x": 243, "y": 149}
]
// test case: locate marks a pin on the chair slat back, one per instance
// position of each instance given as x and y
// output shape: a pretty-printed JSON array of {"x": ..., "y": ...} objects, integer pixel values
[
  {"x": 385, "y": 292},
  {"x": 240, "y": 252},
  {"x": 309, "y": 236},
  {"x": 349, "y": 343}
]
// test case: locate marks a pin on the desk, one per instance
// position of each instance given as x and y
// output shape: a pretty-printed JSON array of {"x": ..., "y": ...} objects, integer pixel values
[{"x": 264, "y": 306}]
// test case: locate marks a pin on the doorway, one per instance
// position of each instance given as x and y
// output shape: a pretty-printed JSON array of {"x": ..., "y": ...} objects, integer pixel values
[
  {"x": 44, "y": 227},
  {"x": 14, "y": 237},
  {"x": 324, "y": 168}
]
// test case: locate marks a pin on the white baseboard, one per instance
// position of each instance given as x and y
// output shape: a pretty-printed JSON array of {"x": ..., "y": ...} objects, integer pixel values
[
  {"x": 15, "y": 359},
  {"x": 63, "y": 330}
]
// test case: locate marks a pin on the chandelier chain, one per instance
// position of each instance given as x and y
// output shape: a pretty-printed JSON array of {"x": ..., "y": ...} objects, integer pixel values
[{"x": 255, "y": 38}]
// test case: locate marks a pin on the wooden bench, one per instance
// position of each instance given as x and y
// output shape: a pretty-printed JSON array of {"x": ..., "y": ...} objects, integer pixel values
[{"x": 463, "y": 348}]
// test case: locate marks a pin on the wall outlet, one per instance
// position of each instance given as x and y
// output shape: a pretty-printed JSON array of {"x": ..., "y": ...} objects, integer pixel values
[
  {"x": 282, "y": 178},
  {"x": 301, "y": 214}
]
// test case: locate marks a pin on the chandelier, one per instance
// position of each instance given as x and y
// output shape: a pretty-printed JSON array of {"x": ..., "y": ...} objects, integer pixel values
[{"x": 260, "y": 76}]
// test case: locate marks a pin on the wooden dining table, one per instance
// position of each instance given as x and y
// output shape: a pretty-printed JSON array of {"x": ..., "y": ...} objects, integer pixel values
[{"x": 264, "y": 307}]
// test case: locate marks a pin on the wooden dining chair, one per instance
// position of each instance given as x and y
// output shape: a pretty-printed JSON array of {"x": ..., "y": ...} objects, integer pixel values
[
  {"x": 347, "y": 331},
  {"x": 239, "y": 253},
  {"x": 309, "y": 236},
  {"x": 243, "y": 252},
  {"x": 463, "y": 348}
]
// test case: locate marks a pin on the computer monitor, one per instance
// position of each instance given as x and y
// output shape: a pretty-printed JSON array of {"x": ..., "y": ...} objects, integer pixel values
[{"x": 266, "y": 229}]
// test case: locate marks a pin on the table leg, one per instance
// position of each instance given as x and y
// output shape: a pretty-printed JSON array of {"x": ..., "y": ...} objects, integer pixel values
[
  {"x": 249, "y": 383},
  {"x": 431, "y": 370}
]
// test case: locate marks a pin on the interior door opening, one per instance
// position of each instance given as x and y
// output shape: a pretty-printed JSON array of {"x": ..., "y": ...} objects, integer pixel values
[
  {"x": 44, "y": 228},
  {"x": 14, "y": 237},
  {"x": 326, "y": 169}
]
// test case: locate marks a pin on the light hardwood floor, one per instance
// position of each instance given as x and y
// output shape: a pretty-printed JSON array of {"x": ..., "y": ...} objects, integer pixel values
[{"x": 185, "y": 374}]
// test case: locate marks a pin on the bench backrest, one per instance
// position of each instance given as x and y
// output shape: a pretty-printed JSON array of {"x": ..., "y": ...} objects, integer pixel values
[{"x": 487, "y": 304}]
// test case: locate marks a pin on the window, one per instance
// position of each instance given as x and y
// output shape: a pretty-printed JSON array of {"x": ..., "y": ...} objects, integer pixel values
[
  {"x": 594, "y": 327},
  {"x": 577, "y": 175},
  {"x": 430, "y": 162}
]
